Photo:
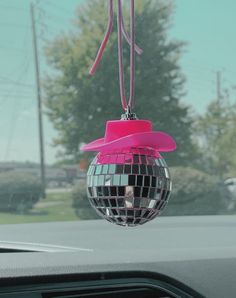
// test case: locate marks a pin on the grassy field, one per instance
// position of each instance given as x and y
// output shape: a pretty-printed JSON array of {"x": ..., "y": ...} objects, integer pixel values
[{"x": 56, "y": 207}]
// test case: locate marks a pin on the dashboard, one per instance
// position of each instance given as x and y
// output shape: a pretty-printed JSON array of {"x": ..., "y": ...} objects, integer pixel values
[
  {"x": 123, "y": 284},
  {"x": 169, "y": 257}
]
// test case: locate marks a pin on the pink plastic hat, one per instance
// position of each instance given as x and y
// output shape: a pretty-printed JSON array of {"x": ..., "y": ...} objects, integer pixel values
[{"x": 122, "y": 134}]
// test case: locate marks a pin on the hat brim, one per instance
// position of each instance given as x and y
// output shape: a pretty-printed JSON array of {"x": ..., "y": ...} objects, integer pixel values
[{"x": 158, "y": 140}]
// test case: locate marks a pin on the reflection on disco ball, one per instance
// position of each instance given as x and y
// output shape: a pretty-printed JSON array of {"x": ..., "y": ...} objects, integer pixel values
[{"x": 129, "y": 188}]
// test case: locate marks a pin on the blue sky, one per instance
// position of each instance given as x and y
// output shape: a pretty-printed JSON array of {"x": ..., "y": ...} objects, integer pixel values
[{"x": 208, "y": 26}]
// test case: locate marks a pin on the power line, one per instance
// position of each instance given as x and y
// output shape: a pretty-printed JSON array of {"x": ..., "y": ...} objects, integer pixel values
[
  {"x": 230, "y": 70},
  {"x": 10, "y": 48},
  {"x": 207, "y": 68},
  {"x": 4, "y": 92},
  {"x": 15, "y": 25},
  {"x": 58, "y": 7},
  {"x": 15, "y": 97},
  {"x": 5, "y": 86},
  {"x": 14, "y": 8},
  {"x": 10, "y": 94},
  {"x": 14, "y": 116},
  {"x": 27, "y": 54},
  {"x": 24, "y": 71},
  {"x": 13, "y": 82},
  {"x": 55, "y": 19},
  {"x": 52, "y": 16},
  {"x": 46, "y": 28}
]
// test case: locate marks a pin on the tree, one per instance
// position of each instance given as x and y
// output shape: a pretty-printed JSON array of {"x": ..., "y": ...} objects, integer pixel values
[
  {"x": 79, "y": 105},
  {"x": 217, "y": 134},
  {"x": 197, "y": 193}
]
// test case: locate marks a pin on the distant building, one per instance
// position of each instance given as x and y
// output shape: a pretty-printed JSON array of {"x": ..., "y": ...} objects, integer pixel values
[
  {"x": 71, "y": 172},
  {"x": 6, "y": 168}
]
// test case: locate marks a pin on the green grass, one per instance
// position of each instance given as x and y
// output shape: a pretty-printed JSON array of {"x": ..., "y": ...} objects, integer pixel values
[{"x": 56, "y": 207}]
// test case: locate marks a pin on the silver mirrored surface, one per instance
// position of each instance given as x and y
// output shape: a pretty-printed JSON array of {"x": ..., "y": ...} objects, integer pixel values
[{"x": 130, "y": 192}]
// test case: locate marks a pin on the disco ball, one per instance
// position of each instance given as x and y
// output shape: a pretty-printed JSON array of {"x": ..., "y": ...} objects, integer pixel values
[{"x": 129, "y": 187}]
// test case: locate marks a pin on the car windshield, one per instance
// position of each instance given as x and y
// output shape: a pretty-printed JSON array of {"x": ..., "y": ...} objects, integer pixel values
[{"x": 51, "y": 106}]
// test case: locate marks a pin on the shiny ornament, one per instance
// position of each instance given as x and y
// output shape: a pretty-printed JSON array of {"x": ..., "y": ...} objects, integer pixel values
[{"x": 128, "y": 182}]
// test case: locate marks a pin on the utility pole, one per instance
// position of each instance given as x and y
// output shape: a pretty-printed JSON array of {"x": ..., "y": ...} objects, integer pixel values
[
  {"x": 39, "y": 100},
  {"x": 218, "y": 86}
]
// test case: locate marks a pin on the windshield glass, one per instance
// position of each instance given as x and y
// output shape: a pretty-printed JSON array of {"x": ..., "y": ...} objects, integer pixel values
[{"x": 51, "y": 106}]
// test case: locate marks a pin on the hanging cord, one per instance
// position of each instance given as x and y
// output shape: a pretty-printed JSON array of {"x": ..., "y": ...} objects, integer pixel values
[
  {"x": 133, "y": 48},
  {"x": 126, "y": 106},
  {"x": 105, "y": 39},
  {"x": 126, "y": 35}
]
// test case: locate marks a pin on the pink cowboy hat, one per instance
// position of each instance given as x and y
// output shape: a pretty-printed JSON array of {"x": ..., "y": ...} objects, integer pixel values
[{"x": 131, "y": 133}]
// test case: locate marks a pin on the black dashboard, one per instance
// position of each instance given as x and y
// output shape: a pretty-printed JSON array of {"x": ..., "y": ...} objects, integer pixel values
[
  {"x": 170, "y": 257},
  {"x": 122, "y": 284}
]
